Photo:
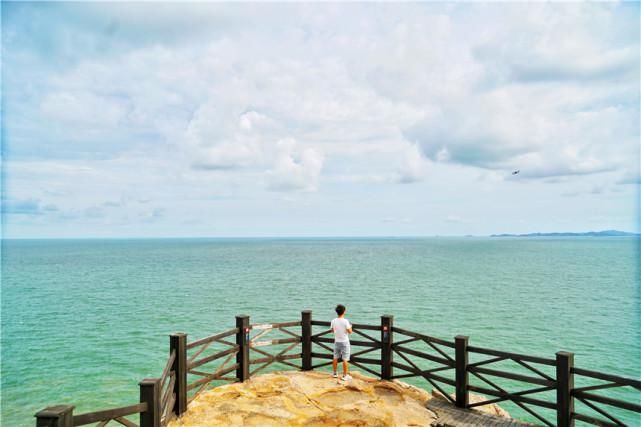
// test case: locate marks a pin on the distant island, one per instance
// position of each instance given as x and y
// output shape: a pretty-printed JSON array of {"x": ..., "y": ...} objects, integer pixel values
[{"x": 605, "y": 233}]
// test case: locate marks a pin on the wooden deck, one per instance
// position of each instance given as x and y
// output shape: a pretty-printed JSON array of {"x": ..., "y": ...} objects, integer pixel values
[{"x": 451, "y": 416}]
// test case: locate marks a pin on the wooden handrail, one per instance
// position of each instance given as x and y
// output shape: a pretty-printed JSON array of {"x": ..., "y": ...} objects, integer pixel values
[
  {"x": 608, "y": 377},
  {"x": 424, "y": 355},
  {"x": 423, "y": 337},
  {"x": 212, "y": 338},
  {"x": 212, "y": 357},
  {"x": 366, "y": 327},
  {"x": 168, "y": 392},
  {"x": 108, "y": 414},
  {"x": 321, "y": 323},
  {"x": 512, "y": 376},
  {"x": 515, "y": 356},
  {"x": 165, "y": 372}
]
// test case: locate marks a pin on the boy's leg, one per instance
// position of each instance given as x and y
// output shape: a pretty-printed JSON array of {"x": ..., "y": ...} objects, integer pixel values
[
  {"x": 335, "y": 364},
  {"x": 346, "y": 354}
]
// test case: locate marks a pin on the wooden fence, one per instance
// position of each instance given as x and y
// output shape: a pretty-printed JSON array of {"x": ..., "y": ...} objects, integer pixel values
[{"x": 383, "y": 350}]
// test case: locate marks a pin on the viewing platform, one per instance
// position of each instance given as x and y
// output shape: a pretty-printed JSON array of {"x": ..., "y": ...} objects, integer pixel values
[{"x": 553, "y": 391}]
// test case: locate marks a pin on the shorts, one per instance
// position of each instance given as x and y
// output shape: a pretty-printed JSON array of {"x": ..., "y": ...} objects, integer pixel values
[{"x": 341, "y": 351}]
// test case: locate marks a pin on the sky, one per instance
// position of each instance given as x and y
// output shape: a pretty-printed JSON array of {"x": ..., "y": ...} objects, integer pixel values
[{"x": 382, "y": 119}]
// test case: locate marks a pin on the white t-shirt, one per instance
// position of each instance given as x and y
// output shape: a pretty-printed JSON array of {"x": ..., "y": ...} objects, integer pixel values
[{"x": 340, "y": 325}]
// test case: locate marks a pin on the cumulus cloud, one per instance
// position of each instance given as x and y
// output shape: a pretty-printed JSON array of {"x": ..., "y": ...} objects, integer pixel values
[
  {"x": 227, "y": 140},
  {"x": 294, "y": 169},
  {"x": 488, "y": 102},
  {"x": 503, "y": 129},
  {"x": 234, "y": 101},
  {"x": 413, "y": 167},
  {"x": 550, "y": 101}
]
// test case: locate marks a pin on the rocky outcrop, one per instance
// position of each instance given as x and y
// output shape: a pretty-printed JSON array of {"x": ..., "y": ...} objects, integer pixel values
[
  {"x": 309, "y": 399},
  {"x": 315, "y": 399}
]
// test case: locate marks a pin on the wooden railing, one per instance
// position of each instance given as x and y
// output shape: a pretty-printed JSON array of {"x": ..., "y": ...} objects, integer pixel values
[
  {"x": 585, "y": 396},
  {"x": 543, "y": 387},
  {"x": 439, "y": 361},
  {"x": 289, "y": 342},
  {"x": 203, "y": 369},
  {"x": 542, "y": 381}
]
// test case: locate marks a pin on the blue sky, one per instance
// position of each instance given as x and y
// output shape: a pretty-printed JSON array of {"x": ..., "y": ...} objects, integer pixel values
[{"x": 213, "y": 119}]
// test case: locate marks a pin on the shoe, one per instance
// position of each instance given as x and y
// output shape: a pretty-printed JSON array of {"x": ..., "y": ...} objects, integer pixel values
[
  {"x": 346, "y": 377},
  {"x": 334, "y": 375}
]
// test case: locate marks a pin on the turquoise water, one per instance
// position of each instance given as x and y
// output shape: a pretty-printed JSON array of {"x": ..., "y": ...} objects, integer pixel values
[{"x": 84, "y": 320}]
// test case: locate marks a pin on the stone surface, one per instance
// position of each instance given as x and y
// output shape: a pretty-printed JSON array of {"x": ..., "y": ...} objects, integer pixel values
[
  {"x": 315, "y": 399},
  {"x": 309, "y": 399}
]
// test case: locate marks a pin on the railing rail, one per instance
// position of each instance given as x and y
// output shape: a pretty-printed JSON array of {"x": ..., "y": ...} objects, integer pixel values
[
  {"x": 202, "y": 367},
  {"x": 522, "y": 397},
  {"x": 435, "y": 360},
  {"x": 115, "y": 414},
  {"x": 595, "y": 402},
  {"x": 167, "y": 383},
  {"x": 442, "y": 363},
  {"x": 256, "y": 343}
]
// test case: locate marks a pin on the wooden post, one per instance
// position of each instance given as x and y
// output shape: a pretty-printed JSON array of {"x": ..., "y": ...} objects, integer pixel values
[
  {"x": 150, "y": 394},
  {"x": 387, "y": 339},
  {"x": 306, "y": 339},
  {"x": 55, "y": 416},
  {"x": 178, "y": 343},
  {"x": 462, "y": 375},
  {"x": 564, "y": 386},
  {"x": 242, "y": 339}
]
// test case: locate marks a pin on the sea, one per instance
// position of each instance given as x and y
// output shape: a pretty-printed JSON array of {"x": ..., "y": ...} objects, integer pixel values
[{"x": 83, "y": 321}]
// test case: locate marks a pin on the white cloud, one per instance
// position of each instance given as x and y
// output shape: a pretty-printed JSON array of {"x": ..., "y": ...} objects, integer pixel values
[
  {"x": 83, "y": 108},
  {"x": 470, "y": 101},
  {"x": 413, "y": 168},
  {"x": 339, "y": 102},
  {"x": 294, "y": 169}
]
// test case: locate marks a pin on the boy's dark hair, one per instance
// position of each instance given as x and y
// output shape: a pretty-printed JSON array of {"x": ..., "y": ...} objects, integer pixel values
[{"x": 340, "y": 309}]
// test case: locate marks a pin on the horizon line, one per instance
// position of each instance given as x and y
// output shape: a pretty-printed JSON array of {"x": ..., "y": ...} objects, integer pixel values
[{"x": 631, "y": 234}]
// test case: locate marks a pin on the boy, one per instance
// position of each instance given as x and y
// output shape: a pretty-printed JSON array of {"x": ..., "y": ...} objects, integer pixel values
[{"x": 342, "y": 328}]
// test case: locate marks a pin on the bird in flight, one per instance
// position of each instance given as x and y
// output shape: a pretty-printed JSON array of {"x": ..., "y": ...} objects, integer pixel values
[{"x": 516, "y": 171}]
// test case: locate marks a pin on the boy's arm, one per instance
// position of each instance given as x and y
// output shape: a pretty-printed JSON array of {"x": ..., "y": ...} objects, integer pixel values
[{"x": 349, "y": 329}]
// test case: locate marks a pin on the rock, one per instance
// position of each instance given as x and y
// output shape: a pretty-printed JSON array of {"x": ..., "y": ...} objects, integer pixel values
[
  {"x": 492, "y": 408},
  {"x": 309, "y": 399}
]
